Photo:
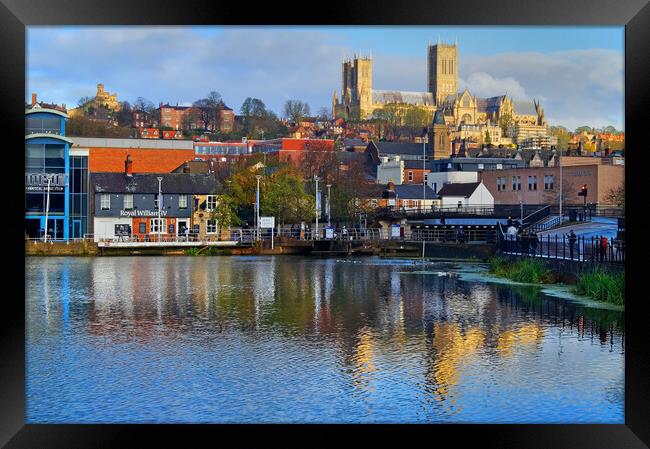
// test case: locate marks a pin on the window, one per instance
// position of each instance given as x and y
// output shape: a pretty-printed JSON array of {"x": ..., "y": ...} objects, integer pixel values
[
  {"x": 548, "y": 182},
  {"x": 516, "y": 183},
  {"x": 212, "y": 203},
  {"x": 182, "y": 201},
  {"x": 105, "y": 201},
  {"x": 410, "y": 176},
  {"x": 142, "y": 227},
  {"x": 211, "y": 226},
  {"x": 157, "y": 225},
  {"x": 532, "y": 183},
  {"x": 128, "y": 201},
  {"x": 501, "y": 184}
]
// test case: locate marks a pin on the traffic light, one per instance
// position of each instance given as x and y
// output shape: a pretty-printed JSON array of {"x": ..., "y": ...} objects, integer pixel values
[{"x": 583, "y": 190}]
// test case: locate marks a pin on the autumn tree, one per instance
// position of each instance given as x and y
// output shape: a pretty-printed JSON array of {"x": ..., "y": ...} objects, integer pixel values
[{"x": 295, "y": 110}]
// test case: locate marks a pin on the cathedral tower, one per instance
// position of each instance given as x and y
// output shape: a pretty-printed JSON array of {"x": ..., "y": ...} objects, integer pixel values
[
  {"x": 442, "y": 68},
  {"x": 356, "y": 87}
]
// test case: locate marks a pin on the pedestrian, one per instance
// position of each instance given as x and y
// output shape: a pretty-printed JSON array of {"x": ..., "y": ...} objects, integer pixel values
[
  {"x": 525, "y": 240},
  {"x": 572, "y": 242},
  {"x": 187, "y": 233},
  {"x": 510, "y": 223},
  {"x": 302, "y": 230},
  {"x": 534, "y": 240},
  {"x": 603, "y": 247},
  {"x": 344, "y": 233}
]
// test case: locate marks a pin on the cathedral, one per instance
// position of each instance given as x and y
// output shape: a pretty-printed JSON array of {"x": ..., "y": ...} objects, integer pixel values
[{"x": 467, "y": 116}]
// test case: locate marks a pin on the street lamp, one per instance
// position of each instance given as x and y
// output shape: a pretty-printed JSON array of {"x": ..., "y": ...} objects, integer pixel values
[
  {"x": 329, "y": 205},
  {"x": 257, "y": 207},
  {"x": 317, "y": 208},
  {"x": 159, "y": 206},
  {"x": 47, "y": 207}
]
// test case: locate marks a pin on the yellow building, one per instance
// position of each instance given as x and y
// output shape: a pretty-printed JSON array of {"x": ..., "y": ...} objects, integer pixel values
[
  {"x": 102, "y": 99},
  {"x": 359, "y": 101}
]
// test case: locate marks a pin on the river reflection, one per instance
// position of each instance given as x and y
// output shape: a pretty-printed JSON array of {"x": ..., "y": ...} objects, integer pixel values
[{"x": 290, "y": 339}]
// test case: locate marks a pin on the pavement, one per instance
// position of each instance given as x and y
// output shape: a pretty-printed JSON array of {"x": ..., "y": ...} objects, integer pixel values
[{"x": 595, "y": 228}]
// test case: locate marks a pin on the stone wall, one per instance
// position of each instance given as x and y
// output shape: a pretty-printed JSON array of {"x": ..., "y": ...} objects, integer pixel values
[{"x": 61, "y": 249}]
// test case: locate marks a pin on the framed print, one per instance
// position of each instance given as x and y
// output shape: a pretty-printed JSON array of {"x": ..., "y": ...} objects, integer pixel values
[{"x": 373, "y": 220}]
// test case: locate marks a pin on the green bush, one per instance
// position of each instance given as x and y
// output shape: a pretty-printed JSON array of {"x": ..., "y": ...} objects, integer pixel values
[
  {"x": 192, "y": 251},
  {"x": 601, "y": 285},
  {"x": 530, "y": 271}
]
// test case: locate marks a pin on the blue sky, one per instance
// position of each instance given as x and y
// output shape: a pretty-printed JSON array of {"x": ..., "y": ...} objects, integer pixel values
[{"x": 576, "y": 72}]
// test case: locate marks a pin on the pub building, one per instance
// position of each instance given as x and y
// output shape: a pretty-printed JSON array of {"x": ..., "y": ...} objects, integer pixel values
[
  {"x": 126, "y": 204},
  {"x": 56, "y": 178}
]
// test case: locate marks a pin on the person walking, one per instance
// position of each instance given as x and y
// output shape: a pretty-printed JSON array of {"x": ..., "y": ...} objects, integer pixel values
[
  {"x": 525, "y": 240},
  {"x": 572, "y": 242},
  {"x": 603, "y": 247},
  {"x": 302, "y": 230},
  {"x": 534, "y": 240}
]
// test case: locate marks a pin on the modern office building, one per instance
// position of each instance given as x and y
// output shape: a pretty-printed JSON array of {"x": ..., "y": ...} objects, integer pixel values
[{"x": 56, "y": 178}]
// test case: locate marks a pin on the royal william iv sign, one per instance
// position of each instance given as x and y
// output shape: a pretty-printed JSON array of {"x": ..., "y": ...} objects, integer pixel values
[{"x": 37, "y": 182}]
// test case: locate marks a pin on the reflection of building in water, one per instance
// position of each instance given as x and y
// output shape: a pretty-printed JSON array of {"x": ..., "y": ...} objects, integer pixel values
[
  {"x": 364, "y": 359},
  {"x": 528, "y": 335},
  {"x": 450, "y": 348}
]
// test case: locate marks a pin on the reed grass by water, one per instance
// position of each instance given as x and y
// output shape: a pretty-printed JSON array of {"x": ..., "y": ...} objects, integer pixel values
[
  {"x": 601, "y": 285},
  {"x": 529, "y": 270}
]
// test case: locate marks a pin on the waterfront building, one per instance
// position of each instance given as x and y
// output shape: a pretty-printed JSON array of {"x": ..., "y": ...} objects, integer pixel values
[
  {"x": 406, "y": 197},
  {"x": 465, "y": 195},
  {"x": 541, "y": 185},
  {"x": 126, "y": 204},
  {"x": 56, "y": 178}
]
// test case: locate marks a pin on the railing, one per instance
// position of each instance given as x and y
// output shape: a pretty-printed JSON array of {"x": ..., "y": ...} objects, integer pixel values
[
  {"x": 451, "y": 235},
  {"x": 583, "y": 249},
  {"x": 537, "y": 216}
]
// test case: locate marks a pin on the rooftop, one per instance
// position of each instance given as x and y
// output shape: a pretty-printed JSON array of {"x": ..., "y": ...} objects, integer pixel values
[
  {"x": 183, "y": 183},
  {"x": 464, "y": 189}
]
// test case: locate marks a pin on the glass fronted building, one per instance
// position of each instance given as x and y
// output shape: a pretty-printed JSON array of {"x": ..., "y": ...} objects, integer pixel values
[{"x": 56, "y": 180}]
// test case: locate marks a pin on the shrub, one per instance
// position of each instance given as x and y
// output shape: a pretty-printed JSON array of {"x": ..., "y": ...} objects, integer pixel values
[
  {"x": 192, "y": 251},
  {"x": 530, "y": 270},
  {"x": 601, "y": 285}
]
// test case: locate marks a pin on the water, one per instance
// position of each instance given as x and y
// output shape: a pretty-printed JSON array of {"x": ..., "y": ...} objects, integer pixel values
[{"x": 291, "y": 339}]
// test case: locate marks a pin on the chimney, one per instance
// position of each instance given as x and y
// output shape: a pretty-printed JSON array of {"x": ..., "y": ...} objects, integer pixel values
[
  {"x": 33, "y": 99},
  {"x": 128, "y": 166}
]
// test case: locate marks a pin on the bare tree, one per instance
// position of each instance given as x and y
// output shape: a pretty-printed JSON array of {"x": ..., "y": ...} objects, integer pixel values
[{"x": 296, "y": 110}]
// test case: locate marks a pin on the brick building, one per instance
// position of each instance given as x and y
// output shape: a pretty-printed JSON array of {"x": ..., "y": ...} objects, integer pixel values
[{"x": 540, "y": 185}]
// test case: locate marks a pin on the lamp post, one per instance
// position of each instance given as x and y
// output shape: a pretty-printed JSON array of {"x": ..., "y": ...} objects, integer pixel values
[
  {"x": 329, "y": 205},
  {"x": 47, "y": 207},
  {"x": 559, "y": 161},
  {"x": 424, "y": 187},
  {"x": 317, "y": 209},
  {"x": 159, "y": 206},
  {"x": 257, "y": 207}
]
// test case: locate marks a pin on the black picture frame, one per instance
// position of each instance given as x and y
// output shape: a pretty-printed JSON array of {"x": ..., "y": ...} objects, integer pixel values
[{"x": 15, "y": 15}]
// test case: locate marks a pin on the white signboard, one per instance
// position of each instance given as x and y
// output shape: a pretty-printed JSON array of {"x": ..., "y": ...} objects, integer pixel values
[
  {"x": 395, "y": 230},
  {"x": 267, "y": 222},
  {"x": 329, "y": 233}
]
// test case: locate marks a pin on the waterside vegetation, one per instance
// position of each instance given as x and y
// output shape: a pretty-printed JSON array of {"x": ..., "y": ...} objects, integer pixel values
[{"x": 597, "y": 284}]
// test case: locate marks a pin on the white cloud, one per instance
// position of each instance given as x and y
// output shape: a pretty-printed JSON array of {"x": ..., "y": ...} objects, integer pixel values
[{"x": 485, "y": 85}]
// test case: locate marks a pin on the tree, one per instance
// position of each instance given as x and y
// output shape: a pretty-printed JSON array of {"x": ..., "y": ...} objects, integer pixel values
[
  {"x": 83, "y": 101},
  {"x": 226, "y": 211},
  {"x": 563, "y": 136},
  {"x": 295, "y": 110},
  {"x": 284, "y": 197},
  {"x": 587, "y": 129},
  {"x": 616, "y": 195},
  {"x": 324, "y": 114},
  {"x": 144, "y": 105},
  {"x": 124, "y": 115},
  {"x": 488, "y": 139},
  {"x": 209, "y": 110},
  {"x": 81, "y": 126},
  {"x": 505, "y": 122}
]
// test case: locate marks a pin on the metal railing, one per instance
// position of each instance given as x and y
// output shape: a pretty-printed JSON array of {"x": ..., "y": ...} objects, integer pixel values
[
  {"x": 582, "y": 249},
  {"x": 451, "y": 235}
]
